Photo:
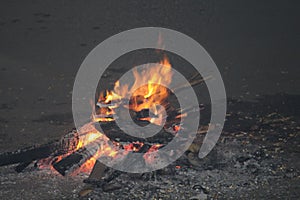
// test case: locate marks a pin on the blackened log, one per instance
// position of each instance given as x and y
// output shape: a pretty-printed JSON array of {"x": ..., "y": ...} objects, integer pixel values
[
  {"x": 97, "y": 172},
  {"x": 76, "y": 159},
  {"x": 113, "y": 132},
  {"x": 30, "y": 154}
]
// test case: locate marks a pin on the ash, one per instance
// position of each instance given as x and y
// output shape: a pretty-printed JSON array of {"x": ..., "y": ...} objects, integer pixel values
[{"x": 257, "y": 157}]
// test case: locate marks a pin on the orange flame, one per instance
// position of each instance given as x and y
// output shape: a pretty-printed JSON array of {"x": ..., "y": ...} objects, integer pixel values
[{"x": 147, "y": 96}]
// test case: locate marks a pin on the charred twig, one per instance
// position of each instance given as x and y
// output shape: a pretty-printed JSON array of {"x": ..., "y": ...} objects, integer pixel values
[{"x": 192, "y": 82}]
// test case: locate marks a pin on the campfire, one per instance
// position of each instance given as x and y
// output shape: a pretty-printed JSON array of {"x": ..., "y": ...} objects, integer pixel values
[
  {"x": 147, "y": 104},
  {"x": 78, "y": 151}
]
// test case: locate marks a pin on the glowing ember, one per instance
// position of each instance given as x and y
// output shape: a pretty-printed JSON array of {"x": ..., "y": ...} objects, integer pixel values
[
  {"x": 134, "y": 146},
  {"x": 150, "y": 155}
]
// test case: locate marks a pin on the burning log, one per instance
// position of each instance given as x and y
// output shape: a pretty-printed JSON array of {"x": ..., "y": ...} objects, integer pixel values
[
  {"x": 120, "y": 111},
  {"x": 28, "y": 155},
  {"x": 113, "y": 132},
  {"x": 76, "y": 159}
]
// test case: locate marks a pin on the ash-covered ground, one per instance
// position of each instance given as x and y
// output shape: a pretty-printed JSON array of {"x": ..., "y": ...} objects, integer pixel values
[{"x": 256, "y": 157}]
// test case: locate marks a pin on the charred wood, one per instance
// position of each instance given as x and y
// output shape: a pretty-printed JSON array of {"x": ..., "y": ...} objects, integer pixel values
[
  {"x": 76, "y": 159},
  {"x": 113, "y": 132},
  {"x": 27, "y": 155}
]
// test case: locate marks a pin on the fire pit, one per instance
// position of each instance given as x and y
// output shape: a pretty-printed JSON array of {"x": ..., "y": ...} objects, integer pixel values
[
  {"x": 255, "y": 158},
  {"x": 79, "y": 150}
]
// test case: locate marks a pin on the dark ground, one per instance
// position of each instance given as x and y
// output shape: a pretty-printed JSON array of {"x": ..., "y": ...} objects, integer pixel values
[{"x": 255, "y": 45}]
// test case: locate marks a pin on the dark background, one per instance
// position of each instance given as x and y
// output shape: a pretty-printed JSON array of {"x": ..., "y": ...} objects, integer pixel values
[{"x": 255, "y": 44}]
